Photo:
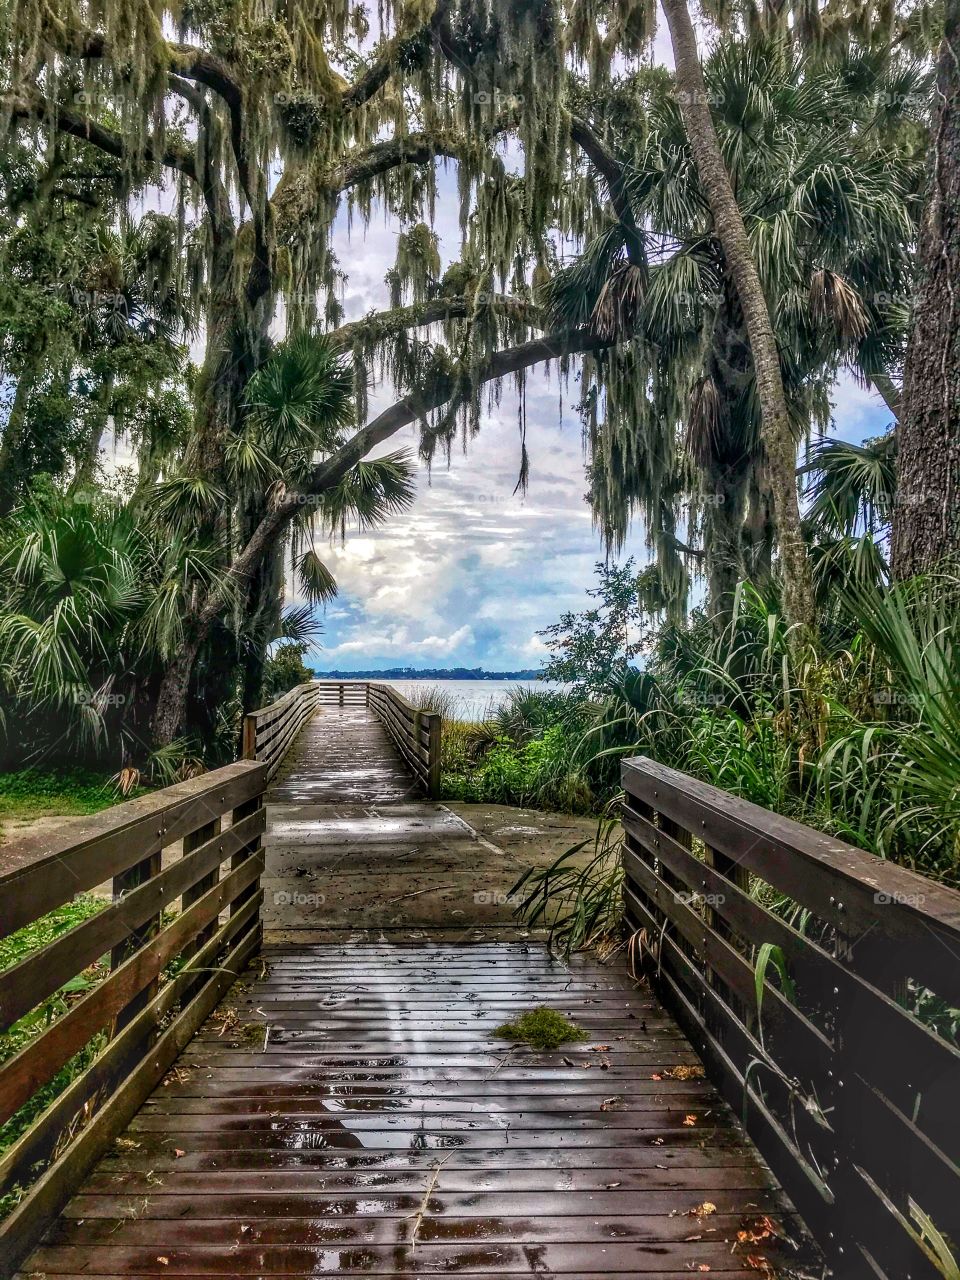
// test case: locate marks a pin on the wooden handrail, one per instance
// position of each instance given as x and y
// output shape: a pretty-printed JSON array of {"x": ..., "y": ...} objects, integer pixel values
[
  {"x": 185, "y": 865},
  {"x": 168, "y": 848},
  {"x": 269, "y": 733},
  {"x": 808, "y": 1017}
]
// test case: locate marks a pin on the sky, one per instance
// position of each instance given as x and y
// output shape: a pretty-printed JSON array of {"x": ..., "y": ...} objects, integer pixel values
[{"x": 474, "y": 571}]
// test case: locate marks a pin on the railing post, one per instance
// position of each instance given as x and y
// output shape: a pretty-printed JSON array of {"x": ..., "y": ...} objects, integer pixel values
[
  {"x": 435, "y": 734},
  {"x": 190, "y": 842},
  {"x": 341, "y": 693},
  {"x": 243, "y": 811},
  {"x": 122, "y": 884},
  {"x": 249, "y": 737}
]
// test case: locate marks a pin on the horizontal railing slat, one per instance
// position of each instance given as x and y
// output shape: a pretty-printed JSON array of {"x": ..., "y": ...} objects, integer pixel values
[
  {"x": 27, "y": 984},
  {"x": 21, "y": 1229},
  {"x": 42, "y": 1057},
  {"x": 922, "y": 1058},
  {"x": 131, "y": 1023},
  {"x": 839, "y": 883}
]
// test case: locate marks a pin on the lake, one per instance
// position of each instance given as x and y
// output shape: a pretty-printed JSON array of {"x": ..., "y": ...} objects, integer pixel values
[{"x": 472, "y": 699}]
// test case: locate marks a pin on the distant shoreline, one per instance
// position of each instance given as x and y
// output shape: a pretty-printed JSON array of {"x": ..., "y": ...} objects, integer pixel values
[{"x": 435, "y": 673}]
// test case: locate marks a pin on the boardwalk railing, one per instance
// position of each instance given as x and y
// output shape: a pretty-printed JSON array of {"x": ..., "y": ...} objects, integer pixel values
[
  {"x": 270, "y": 732},
  {"x": 120, "y": 994},
  {"x": 807, "y": 1016},
  {"x": 415, "y": 734}
]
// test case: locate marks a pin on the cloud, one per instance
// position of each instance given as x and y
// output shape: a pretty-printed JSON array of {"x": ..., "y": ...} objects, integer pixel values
[{"x": 398, "y": 643}]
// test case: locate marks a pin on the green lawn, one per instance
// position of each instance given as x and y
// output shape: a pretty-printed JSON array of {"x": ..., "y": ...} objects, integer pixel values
[{"x": 38, "y": 793}]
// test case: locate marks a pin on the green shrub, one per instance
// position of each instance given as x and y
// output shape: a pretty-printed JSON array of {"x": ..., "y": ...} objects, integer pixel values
[{"x": 537, "y": 772}]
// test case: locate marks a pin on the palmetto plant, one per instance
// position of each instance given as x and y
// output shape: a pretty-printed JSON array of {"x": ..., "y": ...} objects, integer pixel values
[
  {"x": 298, "y": 405},
  {"x": 75, "y": 591},
  {"x": 92, "y": 601},
  {"x": 894, "y": 776}
]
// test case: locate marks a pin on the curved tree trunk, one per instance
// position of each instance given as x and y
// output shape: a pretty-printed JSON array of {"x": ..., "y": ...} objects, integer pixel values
[
  {"x": 170, "y": 709},
  {"x": 728, "y": 223},
  {"x": 926, "y": 522}
]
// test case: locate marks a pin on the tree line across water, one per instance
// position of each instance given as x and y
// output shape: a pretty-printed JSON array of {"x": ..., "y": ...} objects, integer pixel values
[{"x": 698, "y": 254}]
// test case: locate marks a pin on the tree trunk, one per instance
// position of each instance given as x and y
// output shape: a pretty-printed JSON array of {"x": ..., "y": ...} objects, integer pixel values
[
  {"x": 235, "y": 346},
  {"x": 14, "y": 435},
  {"x": 926, "y": 521},
  {"x": 888, "y": 392},
  {"x": 169, "y": 712},
  {"x": 87, "y": 466},
  {"x": 729, "y": 226}
]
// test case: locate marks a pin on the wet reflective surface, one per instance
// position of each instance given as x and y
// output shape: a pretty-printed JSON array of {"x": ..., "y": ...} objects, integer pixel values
[
  {"x": 348, "y": 1110},
  {"x": 433, "y": 1148}
]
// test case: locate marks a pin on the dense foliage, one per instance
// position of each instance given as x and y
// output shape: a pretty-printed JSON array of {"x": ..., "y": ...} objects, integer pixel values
[
  {"x": 167, "y": 197},
  {"x": 861, "y": 738}
]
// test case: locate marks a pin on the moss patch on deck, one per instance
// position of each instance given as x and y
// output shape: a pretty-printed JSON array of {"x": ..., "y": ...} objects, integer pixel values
[{"x": 541, "y": 1028}]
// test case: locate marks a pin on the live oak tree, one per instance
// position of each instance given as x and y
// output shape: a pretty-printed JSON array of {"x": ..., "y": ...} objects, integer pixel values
[{"x": 262, "y": 120}]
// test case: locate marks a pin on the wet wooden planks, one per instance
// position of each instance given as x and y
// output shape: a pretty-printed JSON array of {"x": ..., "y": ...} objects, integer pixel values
[
  {"x": 342, "y": 755},
  {"x": 350, "y": 849},
  {"x": 349, "y": 1112}
]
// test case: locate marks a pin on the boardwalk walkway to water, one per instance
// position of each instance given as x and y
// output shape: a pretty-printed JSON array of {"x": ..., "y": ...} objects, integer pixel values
[{"x": 347, "y": 1111}]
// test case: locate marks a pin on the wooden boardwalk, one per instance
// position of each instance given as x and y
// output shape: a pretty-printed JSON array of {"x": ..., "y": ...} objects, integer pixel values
[
  {"x": 354, "y": 852},
  {"x": 347, "y": 1110}
]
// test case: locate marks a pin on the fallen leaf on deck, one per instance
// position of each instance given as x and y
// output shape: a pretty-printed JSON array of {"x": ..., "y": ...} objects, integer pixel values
[
  {"x": 702, "y": 1210},
  {"x": 685, "y": 1073}
]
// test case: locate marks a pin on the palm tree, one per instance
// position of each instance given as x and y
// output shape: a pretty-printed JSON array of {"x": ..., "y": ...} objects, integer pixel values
[
  {"x": 730, "y": 229},
  {"x": 297, "y": 405},
  {"x": 927, "y": 524},
  {"x": 826, "y": 184}
]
